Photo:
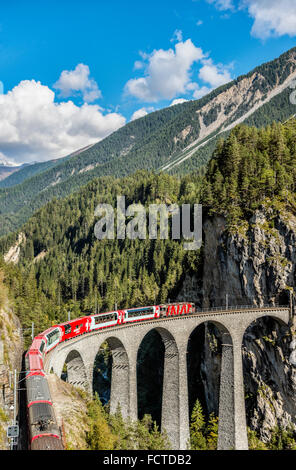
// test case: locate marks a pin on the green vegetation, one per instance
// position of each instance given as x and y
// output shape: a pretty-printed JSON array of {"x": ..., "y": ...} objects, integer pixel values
[
  {"x": 3, "y": 292},
  {"x": 203, "y": 433},
  {"x": 281, "y": 439},
  {"x": 112, "y": 432},
  {"x": 28, "y": 171},
  {"x": 250, "y": 168},
  {"x": 278, "y": 109},
  {"x": 81, "y": 274},
  {"x": 3, "y": 423},
  {"x": 63, "y": 267}
]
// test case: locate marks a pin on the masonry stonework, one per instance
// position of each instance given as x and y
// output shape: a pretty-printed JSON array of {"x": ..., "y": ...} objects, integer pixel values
[{"x": 124, "y": 342}]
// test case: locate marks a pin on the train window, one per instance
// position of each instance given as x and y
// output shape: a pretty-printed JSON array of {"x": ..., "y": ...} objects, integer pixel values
[
  {"x": 105, "y": 318},
  {"x": 139, "y": 313},
  {"x": 53, "y": 336},
  {"x": 67, "y": 329},
  {"x": 42, "y": 346}
]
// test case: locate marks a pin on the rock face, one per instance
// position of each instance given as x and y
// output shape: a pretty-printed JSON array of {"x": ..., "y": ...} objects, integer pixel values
[
  {"x": 70, "y": 406},
  {"x": 13, "y": 254},
  {"x": 254, "y": 266},
  {"x": 11, "y": 348}
]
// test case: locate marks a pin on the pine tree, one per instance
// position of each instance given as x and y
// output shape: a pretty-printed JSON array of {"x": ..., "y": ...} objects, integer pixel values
[{"x": 197, "y": 428}]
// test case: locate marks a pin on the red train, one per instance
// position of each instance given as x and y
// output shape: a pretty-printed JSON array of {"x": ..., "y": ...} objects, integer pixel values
[{"x": 43, "y": 428}]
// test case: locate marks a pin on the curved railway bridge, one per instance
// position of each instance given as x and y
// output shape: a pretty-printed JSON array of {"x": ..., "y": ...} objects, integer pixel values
[{"x": 124, "y": 341}]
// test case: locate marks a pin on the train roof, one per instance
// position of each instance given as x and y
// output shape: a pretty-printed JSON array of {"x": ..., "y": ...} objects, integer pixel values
[
  {"x": 74, "y": 320},
  {"x": 46, "y": 442}
]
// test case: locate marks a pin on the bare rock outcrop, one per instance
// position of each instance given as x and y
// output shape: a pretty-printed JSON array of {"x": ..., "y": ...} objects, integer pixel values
[
  {"x": 11, "y": 348},
  {"x": 254, "y": 265}
]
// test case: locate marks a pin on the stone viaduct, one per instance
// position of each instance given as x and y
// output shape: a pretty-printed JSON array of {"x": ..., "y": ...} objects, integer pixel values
[{"x": 124, "y": 341}]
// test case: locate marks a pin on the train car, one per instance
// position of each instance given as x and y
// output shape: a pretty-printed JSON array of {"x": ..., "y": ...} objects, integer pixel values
[
  {"x": 74, "y": 328},
  {"x": 183, "y": 308},
  {"x": 52, "y": 337},
  {"x": 44, "y": 432},
  {"x": 142, "y": 313},
  {"x": 39, "y": 343},
  {"x": 34, "y": 363},
  {"x": 47, "y": 442},
  {"x": 37, "y": 390},
  {"x": 105, "y": 320},
  {"x": 43, "y": 427}
]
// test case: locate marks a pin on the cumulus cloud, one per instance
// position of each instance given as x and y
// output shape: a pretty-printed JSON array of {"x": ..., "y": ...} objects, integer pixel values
[
  {"x": 178, "y": 101},
  {"x": 167, "y": 73},
  {"x": 215, "y": 75},
  {"x": 177, "y": 36},
  {"x": 201, "y": 91},
  {"x": 141, "y": 113},
  {"x": 35, "y": 127},
  {"x": 73, "y": 82},
  {"x": 272, "y": 17}
]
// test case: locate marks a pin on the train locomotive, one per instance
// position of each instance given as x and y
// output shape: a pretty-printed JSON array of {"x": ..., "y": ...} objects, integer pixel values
[{"x": 44, "y": 432}]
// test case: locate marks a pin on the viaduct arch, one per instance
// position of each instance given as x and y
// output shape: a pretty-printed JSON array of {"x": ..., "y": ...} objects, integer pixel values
[{"x": 125, "y": 340}]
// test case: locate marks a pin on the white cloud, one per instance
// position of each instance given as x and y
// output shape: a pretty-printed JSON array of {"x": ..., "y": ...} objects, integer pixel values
[
  {"x": 202, "y": 91},
  {"x": 272, "y": 17},
  {"x": 35, "y": 127},
  {"x": 177, "y": 36},
  {"x": 141, "y": 113},
  {"x": 178, "y": 101},
  {"x": 167, "y": 73},
  {"x": 138, "y": 65},
  {"x": 199, "y": 23},
  {"x": 72, "y": 82},
  {"x": 222, "y": 4},
  {"x": 215, "y": 75}
]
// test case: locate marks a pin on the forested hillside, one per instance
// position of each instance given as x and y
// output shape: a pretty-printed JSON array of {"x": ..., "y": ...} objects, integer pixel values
[
  {"x": 26, "y": 172},
  {"x": 62, "y": 266},
  {"x": 253, "y": 166},
  {"x": 177, "y": 139}
]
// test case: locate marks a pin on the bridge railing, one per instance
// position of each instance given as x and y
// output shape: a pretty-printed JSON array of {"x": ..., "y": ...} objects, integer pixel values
[{"x": 238, "y": 307}]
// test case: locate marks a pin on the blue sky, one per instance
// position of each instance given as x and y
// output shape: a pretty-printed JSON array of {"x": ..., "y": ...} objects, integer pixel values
[{"x": 75, "y": 71}]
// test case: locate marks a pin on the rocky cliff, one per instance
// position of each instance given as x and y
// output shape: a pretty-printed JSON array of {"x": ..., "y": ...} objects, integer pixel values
[
  {"x": 11, "y": 348},
  {"x": 254, "y": 266}
]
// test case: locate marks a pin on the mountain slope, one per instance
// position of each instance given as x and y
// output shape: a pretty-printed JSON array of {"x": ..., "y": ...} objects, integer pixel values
[
  {"x": 8, "y": 168},
  {"x": 5, "y": 171},
  {"x": 176, "y": 139},
  {"x": 27, "y": 171}
]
